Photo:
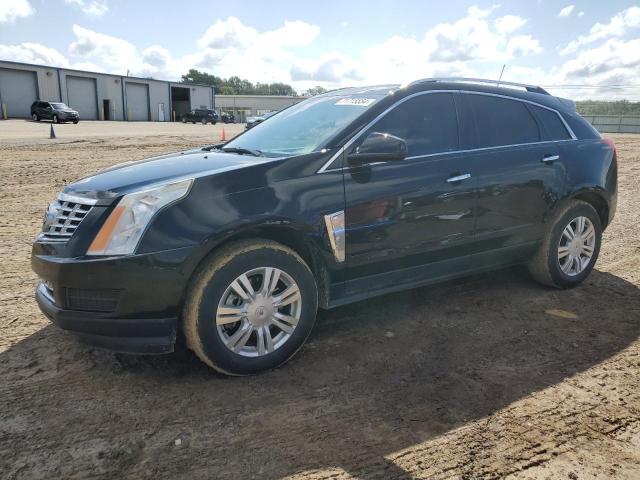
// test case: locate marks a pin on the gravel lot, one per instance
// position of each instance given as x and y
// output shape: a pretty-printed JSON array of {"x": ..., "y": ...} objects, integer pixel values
[{"x": 489, "y": 377}]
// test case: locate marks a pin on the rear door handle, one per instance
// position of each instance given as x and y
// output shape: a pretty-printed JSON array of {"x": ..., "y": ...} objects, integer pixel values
[
  {"x": 550, "y": 158},
  {"x": 458, "y": 178}
]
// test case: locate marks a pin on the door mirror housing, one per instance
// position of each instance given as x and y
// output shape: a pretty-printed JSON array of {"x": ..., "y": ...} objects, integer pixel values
[{"x": 379, "y": 147}]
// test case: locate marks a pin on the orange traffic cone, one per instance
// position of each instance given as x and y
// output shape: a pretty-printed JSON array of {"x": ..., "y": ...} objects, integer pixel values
[{"x": 223, "y": 136}]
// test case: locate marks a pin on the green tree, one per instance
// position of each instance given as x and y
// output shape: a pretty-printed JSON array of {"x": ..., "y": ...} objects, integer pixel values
[
  {"x": 235, "y": 85},
  {"x": 315, "y": 91},
  {"x": 600, "y": 107}
]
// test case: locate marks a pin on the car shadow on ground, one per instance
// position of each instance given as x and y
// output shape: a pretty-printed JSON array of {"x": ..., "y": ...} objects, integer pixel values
[{"x": 374, "y": 378}]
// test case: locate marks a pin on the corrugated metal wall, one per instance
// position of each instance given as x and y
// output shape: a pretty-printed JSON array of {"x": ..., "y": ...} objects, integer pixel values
[{"x": 614, "y": 123}]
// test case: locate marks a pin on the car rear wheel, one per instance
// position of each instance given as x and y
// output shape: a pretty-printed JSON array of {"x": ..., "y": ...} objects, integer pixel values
[
  {"x": 250, "y": 307},
  {"x": 35, "y": 117},
  {"x": 184, "y": 120},
  {"x": 76, "y": 121},
  {"x": 570, "y": 248}
]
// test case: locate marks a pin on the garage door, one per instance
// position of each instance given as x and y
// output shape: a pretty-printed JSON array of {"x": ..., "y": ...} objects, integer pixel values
[
  {"x": 18, "y": 90},
  {"x": 82, "y": 96},
  {"x": 137, "y": 101}
]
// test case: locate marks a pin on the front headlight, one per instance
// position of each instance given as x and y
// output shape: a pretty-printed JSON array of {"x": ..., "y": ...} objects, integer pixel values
[{"x": 127, "y": 222}]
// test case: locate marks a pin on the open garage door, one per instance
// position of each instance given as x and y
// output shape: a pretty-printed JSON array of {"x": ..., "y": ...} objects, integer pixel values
[
  {"x": 82, "y": 96},
  {"x": 18, "y": 90},
  {"x": 180, "y": 102},
  {"x": 137, "y": 101}
]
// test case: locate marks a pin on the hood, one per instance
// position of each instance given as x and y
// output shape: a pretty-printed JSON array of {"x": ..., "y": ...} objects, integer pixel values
[
  {"x": 69, "y": 110},
  {"x": 133, "y": 176}
]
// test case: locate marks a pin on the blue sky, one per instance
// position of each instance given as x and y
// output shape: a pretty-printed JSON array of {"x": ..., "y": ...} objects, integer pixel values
[{"x": 592, "y": 43}]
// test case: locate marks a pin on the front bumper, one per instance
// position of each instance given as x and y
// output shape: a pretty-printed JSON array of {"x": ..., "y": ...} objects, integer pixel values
[
  {"x": 69, "y": 116},
  {"x": 126, "y": 335},
  {"x": 128, "y": 304}
]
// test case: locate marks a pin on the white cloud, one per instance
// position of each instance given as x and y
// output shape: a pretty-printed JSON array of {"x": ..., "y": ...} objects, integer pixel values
[
  {"x": 581, "y": 14},
  {"x": 332, "y": 68},
  {"x": 615, "y": 58},
  {"x": 475, "y": 45},
  {"x": 111, "y": 51},
  {"x": 10, "y": 10},
  {"x": 618, "y": 26},
  {"x": 33, "y": 53},
  {"x": 93, "y": 8},
  {"x": 566, "y": 11},
  {"x": 447, "y": 49},
  {"x": 509, "y": 23},
  {"x": 344, "y": 24}
]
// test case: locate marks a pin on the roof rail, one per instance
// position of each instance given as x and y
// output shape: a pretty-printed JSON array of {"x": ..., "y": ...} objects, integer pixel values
[{"x": 484, "y": 81}]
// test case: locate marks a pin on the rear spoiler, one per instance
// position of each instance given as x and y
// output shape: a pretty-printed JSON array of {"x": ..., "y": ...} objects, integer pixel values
[{"x": 566, "y": 103}]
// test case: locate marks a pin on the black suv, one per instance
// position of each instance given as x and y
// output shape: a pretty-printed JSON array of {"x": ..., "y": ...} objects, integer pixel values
[
  {"x": 228, "y": 117},
  {"x": 347, "y": 195},
  {"x": 203, "y": 115},
  {"x": 55, "y": 111}
]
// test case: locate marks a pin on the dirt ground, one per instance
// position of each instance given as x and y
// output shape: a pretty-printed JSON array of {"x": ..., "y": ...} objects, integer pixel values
[{"x": 490, "y": 377}]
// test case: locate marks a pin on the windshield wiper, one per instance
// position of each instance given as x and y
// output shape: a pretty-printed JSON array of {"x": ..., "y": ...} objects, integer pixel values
[
  {"x": 215, "y": 146},
  {"x": 242, "y": 151}
]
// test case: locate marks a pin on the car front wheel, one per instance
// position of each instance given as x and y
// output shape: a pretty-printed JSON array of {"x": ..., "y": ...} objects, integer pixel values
[
  {"x": 250, "y": 307},
  {"x": 55, "y": 119},
  {"x": 570, "y": 248}
]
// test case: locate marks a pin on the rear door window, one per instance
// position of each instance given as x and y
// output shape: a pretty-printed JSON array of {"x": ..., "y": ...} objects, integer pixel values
[
  {"x": 427, "y": 123},
  {"x": 552, "y": 126},
  {"x": 502, "y": 121}
]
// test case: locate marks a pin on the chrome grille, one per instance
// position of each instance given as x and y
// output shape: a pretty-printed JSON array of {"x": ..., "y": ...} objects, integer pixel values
[{"x": 64, "y": 215}]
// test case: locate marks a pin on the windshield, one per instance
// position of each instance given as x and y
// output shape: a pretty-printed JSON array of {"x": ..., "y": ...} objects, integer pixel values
[
  {"x": 304, "y": 127},
  {"x": 59, "y": 106}
]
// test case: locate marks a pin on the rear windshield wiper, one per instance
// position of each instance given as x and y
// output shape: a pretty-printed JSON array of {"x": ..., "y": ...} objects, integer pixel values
[{"x": 242, "y": 151}]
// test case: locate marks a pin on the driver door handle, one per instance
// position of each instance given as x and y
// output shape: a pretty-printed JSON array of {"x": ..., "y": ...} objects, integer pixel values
[
  {"x": 458, "y": 178},
  {"x": 550, "y": 158}
]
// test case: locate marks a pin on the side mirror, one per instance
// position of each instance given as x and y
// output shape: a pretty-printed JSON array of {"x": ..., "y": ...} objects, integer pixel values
[{"x": 379, "y": 147}]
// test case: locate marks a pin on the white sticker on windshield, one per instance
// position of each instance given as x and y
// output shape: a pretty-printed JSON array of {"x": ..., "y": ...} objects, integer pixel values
[{"x": 358, "y": 102}]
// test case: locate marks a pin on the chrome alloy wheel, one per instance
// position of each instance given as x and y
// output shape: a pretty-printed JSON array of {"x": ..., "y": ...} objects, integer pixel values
[
  {"x": 258, "y": 312},
  {"x": 576, "y": 247}
]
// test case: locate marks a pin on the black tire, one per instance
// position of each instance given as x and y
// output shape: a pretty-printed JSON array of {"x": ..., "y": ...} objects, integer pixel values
[
  {"x": 194, "y": 122},
  {"x": 55, "y": 119},
  {"x": 204, "y": 121},
  {"x": 75, "y": 122},
  {"x": 35, "y": 117},
  {"x": 213, "y": 123},
  {"x": 184, "y": 120},
  {"x": 545, "y": 265},
  {"x": 209, "y": 284}
]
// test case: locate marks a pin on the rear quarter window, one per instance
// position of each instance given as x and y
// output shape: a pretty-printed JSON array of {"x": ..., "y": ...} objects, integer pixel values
[
  {"x": 502, "y": 121},
  {"x": 552, "y": 126}
]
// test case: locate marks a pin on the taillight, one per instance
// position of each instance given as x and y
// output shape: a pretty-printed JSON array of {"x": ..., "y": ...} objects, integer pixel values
[{"x": 609, "y": 142}]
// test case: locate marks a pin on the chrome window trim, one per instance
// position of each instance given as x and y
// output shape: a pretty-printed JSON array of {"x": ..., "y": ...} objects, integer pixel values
[
  {"x": 65, "y": 197},
  {"x": 342, "y": 149}
]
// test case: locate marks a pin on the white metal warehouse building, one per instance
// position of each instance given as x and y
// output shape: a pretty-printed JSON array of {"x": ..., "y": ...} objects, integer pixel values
[
  {"x": 97, "y": 96},
  {"x": 103, "y": 96}
]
